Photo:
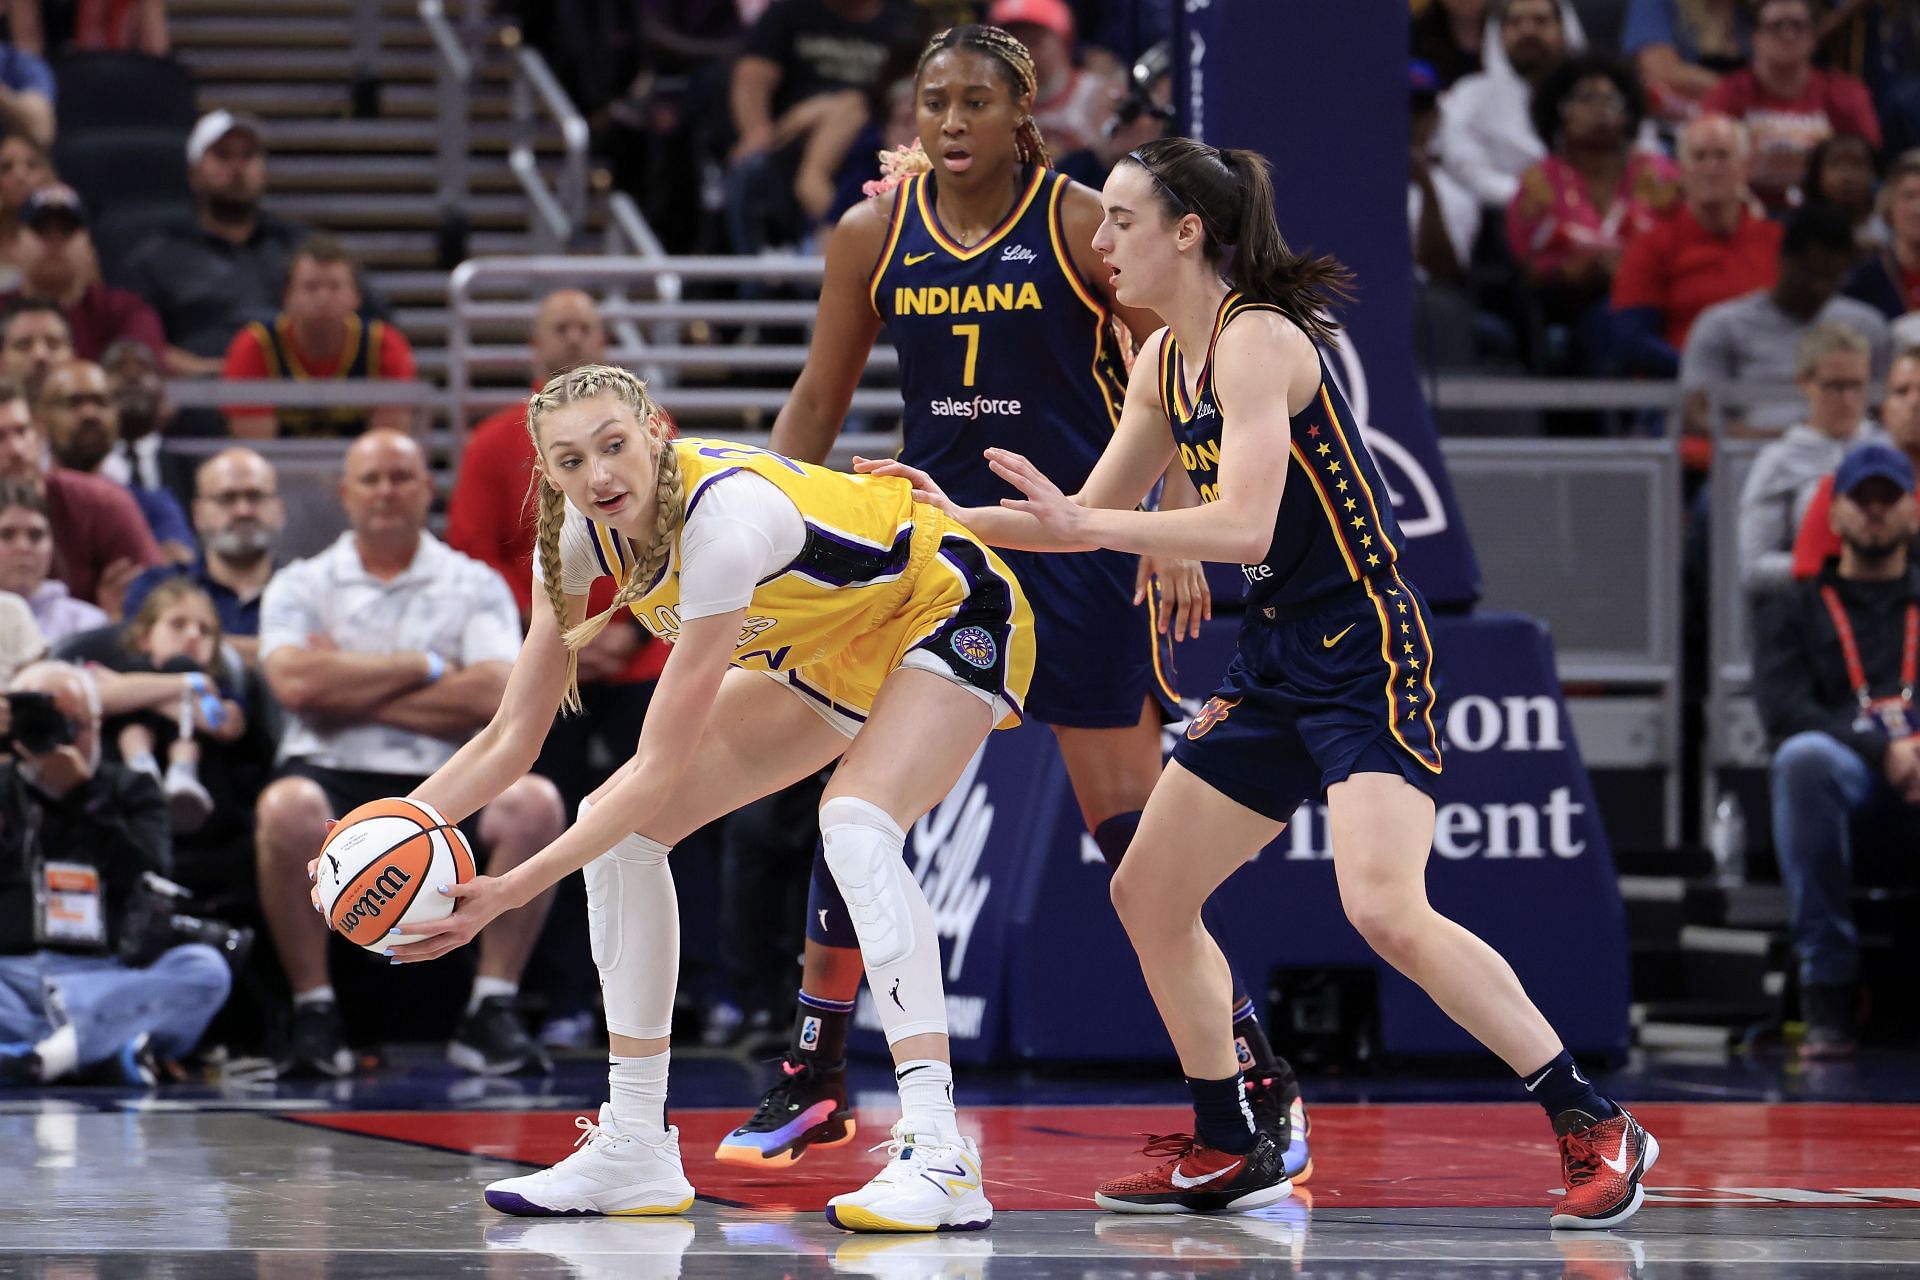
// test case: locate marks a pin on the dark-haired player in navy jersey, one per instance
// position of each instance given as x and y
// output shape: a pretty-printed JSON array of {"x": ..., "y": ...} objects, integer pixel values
[
  {"x": 978, "y": 265},
  {"x": 1332, "y": 686}
]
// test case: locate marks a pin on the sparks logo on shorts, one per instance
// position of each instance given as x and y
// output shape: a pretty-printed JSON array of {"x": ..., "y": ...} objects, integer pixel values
[
  {"x": 1210, "y": 715},
  {"x": 810, "y": 1032},
  {"x": 975, "y": 647}
]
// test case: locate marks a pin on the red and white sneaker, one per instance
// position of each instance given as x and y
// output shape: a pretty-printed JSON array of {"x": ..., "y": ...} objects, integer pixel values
[
  {"x": 1199, "y": 1179},
  {"x": 1603, "y": 1162}
]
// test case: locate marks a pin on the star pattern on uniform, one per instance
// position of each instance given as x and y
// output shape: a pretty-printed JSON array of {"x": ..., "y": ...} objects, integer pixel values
[
  {"x": 1410, "y": 682},
  {"x": 1324, "y": 450},
  {"x": 1413, "y": 698},
  {"x": 1341, "y": 486},
  {"x": 1366, "y": 540},
  {"x": 1405, "y": 629},
  {"x": 1313, "y": 432},
  {"x": 1413, "y": 664},
  {"x": 1333, "y": 466},
  {"x": 1359, "y": 522},
  {"x": 1402, "y": 606},
  {"x": 1351, "y": 504},
  {"x": 1373, "y": 561},
  {"x": 1408, "y": 647},
  {"x": 1393, "y": 591}
]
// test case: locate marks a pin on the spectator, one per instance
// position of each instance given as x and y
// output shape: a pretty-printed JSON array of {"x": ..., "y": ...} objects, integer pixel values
[
  {"x": 320, "y": 334},
  {"x": 140, "y": 398},
  {"x": 24, "y": 169},
  {"x": 1071, "y": 104},
  {"x": 1447, "y": 35},
  {"x": 1143, "y": 112},
  {"x": 388, "y": 650},
  {"x": 1486, "y": 137},
  {"x": 1787, "y": 103},
  {"x": 1681, "y": 48},
  {"x": 1879, "y": 40},
  {"x": 26, "y": 94},
  {"x": 100, "y": 541},
  {"x": 808, "y": 80},
  {"x": 1833, "y": 678},
  {"x": 1714, "y": 246},
  {"x": 1754, "y": 338},
  {"x": 1443, "y": 215},
  {"x": 1890, "y": 281},
  {"x": 239, "y": 515},
  {"x": 88, "y": 831},
  {"x": 1816, "y": 542},
  {"x": 1842, "y": 174},
  {"x": 26, "y": 559},
  {"x": 138, "y": 25},
  {"x": 34, "y": 337},
  {"x": 82, "y": 423},
  {"x": 1831, "y": 372},
  {"x": 58, "y": 265}
]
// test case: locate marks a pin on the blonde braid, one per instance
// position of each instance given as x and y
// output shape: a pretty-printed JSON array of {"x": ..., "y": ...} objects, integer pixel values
[
  {"x": 1018, "y": 61},
  {"x": 546, "y": 537}
]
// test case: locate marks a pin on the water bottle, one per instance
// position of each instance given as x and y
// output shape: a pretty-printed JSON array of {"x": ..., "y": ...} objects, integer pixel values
[{"x": 1728, "y": 841}]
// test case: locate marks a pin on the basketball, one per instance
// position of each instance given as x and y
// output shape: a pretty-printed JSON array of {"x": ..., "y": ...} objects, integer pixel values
[{"x": 382, "y": 866}]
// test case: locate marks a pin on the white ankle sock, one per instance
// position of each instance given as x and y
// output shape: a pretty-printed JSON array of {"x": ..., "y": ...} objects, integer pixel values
[
  {"x": 485, "y": 988},
  {"x": 637, "y": 1090},
  {"x": 926, "y": 1099},
  {"x": 59, "y": 1053},
  {"x": 318, "y": 995},
  {"x": 145, "y": 763}
]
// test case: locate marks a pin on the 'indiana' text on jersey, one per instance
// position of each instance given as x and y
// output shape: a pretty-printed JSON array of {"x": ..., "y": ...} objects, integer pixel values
[
  {"x": 1001, "y": 342},
  {"x": 1336, "y": 522}
]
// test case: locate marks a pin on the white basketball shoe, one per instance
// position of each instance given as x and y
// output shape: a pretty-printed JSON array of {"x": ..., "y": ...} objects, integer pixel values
[
  {"x": 926, "y": 1185},
  {"x": 609, "y": 1173}
]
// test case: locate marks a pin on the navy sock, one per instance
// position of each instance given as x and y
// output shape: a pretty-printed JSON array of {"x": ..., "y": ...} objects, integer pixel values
[
  {"x": 1222, "y": 1118},
  {"x": 820, "y": 1031},
  {"x": 1559, "y": 1087}
]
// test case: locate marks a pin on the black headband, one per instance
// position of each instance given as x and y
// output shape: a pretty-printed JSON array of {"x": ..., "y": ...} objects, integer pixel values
[{"x": 1172, "y": 195}]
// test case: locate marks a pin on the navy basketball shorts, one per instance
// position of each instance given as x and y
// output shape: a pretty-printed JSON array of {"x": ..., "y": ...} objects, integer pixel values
[
  {"x": 1096, "y": 663},
  {"x": 1346, "y": 688}
]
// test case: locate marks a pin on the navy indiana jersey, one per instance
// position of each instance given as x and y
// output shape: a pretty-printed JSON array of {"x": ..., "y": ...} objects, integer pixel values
[
  {"x": 1336, "y": 523},
  {"x": 1001, "y": 343}
]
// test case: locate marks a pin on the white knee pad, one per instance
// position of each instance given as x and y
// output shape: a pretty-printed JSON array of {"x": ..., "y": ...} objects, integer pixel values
[
  {"x": 898, "y": 942},
  {"x": 633, "y": 927}
]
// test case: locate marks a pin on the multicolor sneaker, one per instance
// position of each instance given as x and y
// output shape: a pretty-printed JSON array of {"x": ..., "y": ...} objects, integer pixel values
[
  {"x": 1602, "y": 1162},
  {"x": 1200, "y": 1179},
  {"x": 926, "y": 1185},
  {"x": 807, "y": 1107},
  {"x": 1278, "y": 1109},
  {"x": 609, "y": 1172}
]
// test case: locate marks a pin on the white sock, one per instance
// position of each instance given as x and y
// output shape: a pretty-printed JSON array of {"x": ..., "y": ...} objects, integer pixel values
[
  {"x": 318, "y": 995},
  {"x": 485, "y": 988},
  {"x": 637, "y": 1090},
  {"x": 926, "y": 1099},
  {"x": 59, "y": 1053},
  {"x": 145, "y": 763}
]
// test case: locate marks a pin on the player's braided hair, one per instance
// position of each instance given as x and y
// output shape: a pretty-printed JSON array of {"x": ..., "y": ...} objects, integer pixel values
[
  {"x": 1016, "y": 60},
  {"x": 670, "y": 509}
]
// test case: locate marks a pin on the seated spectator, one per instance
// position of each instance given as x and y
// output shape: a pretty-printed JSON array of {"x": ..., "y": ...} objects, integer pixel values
[
  {"x": 1832, "y": 370},
  {"x": 24, "y": 169},
  {"x": 239, "y": 515},
  {"x": 1755, "y": 338},
  {"x": 86, "y": 989},
  {"x": 137, "y": 25},
  {"x": 58, "y": 265},
  {"x": 1487, "y": 139},
  {"x": 26, "y": 561},
  {"x": 1817, "y": 543},
  {"x": 320, "y": 334},
  {"x": 27, "y": 94},
  {"x": 82, "y": 423},
  {"x": 1880, "y": 42},
  {"x": 1890, "y": 280},
  {"x": 1715, "y": 245},
  {"x": 34, "y": 337},
  {"x": 804, "y": 87},
  {"x": 1071, "y": 104},
  {"x": 1443, "y": 215},
  {"x": 1833, "y": 677},
  {"x": 140, "y": 399},
  {"x": 1788, "y": 104},
  {"x": 1842, "y": 173},
  {"x": 1447, "y": 35},
  {"x": 1577, "y": 207},
  {"x": 388, "y": 650},
  {"x": 1681, "y": 48}
]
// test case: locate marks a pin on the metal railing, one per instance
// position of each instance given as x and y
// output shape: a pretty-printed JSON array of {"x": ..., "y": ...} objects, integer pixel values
[
  {"x": 629, "y": 232},
  {"x": 456, "y": 52},
  {"x": 559, "y": 211}
]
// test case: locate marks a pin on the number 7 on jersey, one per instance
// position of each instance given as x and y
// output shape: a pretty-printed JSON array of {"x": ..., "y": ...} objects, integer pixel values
[{"x": 971, "y": 332}]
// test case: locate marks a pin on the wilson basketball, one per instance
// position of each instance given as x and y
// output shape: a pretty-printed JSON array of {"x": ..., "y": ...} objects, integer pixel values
[{"x": 382, "y": 867}]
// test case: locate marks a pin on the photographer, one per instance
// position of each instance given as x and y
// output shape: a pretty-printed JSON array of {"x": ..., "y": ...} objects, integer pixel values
[
  {"x": 1834, "y": 675},
  {"x": 77, "y": 839}
]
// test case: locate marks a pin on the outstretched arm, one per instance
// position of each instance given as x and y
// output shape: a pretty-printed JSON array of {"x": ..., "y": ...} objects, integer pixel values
[{"x": 843, "y": 337}]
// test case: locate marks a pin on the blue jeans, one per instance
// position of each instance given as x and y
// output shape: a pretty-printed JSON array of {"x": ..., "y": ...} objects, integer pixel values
[
  {"x": 1819, "y": 784},
  {"x": 108, "y": 1004}
]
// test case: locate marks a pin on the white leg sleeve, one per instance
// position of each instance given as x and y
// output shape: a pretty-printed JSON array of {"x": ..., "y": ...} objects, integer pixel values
[
  {"x": 633, "y": 925},
  {"x": 890, "y": 915}
]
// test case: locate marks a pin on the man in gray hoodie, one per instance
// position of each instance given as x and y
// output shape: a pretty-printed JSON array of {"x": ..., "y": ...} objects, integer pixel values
[{"x": 1832, "y": 369}]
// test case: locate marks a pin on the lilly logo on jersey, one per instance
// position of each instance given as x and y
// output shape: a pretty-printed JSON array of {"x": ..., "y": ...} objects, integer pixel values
[
  {"x": 952, "y": 299},
  {"x": 1017, "y": 253}
]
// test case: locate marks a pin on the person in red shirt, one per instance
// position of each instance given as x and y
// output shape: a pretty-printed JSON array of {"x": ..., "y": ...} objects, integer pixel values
[
  {"x": 58, "y": 265},
  {"x": 1890, "y": 280},
  {"x": 319, "y": 334},
  {"x": 1787, "y": 103},
  {"x": 1817, "y": 542},
  {"x": 1717, "y": 244}
]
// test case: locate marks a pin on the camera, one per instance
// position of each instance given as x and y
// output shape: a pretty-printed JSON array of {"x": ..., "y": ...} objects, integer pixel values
[
  {"x": 156, "y": 920},
  {"x": 1141, "y": 77},
  {"x": 38, "y": 726}
]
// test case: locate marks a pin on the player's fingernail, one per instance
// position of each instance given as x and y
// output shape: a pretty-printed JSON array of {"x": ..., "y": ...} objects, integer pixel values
[
  {"x": 444, "y": 889},
  {"x": 396, "y": 962},
  {"x": 387, "y": 952}
]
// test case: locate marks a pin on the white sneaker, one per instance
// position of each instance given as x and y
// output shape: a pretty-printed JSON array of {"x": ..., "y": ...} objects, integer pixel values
[
  {"x": 610, "y": 1173},
  {"x": 925, "y": 1186}
]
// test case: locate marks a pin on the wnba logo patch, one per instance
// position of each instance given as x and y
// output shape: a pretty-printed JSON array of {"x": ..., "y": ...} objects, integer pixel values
[
  {"x": 810, "y": 1032},
  {"x": 975, "y": 647},
  {"x": 1210, "y": 715}
]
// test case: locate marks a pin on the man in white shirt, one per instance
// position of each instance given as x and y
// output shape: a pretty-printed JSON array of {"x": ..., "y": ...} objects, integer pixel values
[
  {"x": 1487, "y": 138},
  {"x": 388, "y": 650}
]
